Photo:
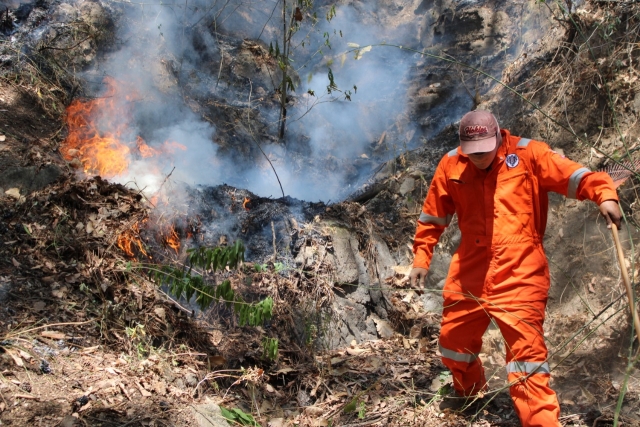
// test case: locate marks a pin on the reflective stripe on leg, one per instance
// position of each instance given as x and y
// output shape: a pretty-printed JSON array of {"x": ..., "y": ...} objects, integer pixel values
[
  {"x": 457, "y": 357},
  {"x": 518, "y": 366}
]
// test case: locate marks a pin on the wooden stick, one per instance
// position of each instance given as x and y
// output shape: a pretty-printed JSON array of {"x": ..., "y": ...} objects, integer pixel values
[{"x": 625, "y": 279}]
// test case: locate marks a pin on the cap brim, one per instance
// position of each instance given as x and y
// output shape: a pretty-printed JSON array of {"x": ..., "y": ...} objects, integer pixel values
[{"x": 479, "y": 146}]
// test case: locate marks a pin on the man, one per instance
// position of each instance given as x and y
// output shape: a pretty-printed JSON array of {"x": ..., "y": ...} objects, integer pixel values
[{"x": 497, "y": 184}]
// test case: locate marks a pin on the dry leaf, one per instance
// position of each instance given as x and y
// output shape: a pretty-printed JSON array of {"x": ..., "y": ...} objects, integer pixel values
[
  {"x": 144, "y": 392},
  {"x": 313, "y": 411},
  {"x": 100, "y": 385},
  {"x": 159, "y": 311},
  {"x": 596, "y": 153},
  {"x": 3, "y": 138},
  {"x": 26, "y": 356},
  {"x": 407, "y": 298},
  {"x": 216, "y": 337},
  {"x": 384, "y": 328},
  {"x": 276, "y": 422},
  {"x": 160, "y": 387},
  {"x": 16, "y": 264},
  {"x": 356, "y": 351},
  {"x": 39, "y": 305},
  {"x": 423, "y": 345},
  {"x": 18, "y": 361},
  {"x": 270, "y": 388},
  {"x": 89, "y": 349},
  {"x": 124, "y": 390},
  {"x": 13, "y": 192},
  {"x": 375, "y": 363},
  {"x": 402, "y": 269},
  {"x": 337, "y": 360},
  {"x": 55, "y": 335},
  {"x": 58, "y": 293},
  {"x": 217, "y": 360},
  {"x": 416, "y": 331},
  {"x": 25, "y": 396}
]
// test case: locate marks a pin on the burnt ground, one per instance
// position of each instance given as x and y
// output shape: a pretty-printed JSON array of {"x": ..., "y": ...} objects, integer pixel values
[{"x": 88, "y": 340}]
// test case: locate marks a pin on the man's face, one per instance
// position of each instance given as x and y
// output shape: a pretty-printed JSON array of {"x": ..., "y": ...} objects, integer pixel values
[{"x": 483, "y": 160}]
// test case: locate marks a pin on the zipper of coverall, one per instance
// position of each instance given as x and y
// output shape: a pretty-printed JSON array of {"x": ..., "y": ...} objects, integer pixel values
[{"x": 489, "y": 216}]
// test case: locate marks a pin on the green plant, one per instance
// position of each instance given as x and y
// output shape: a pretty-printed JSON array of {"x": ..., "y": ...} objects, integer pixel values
[
  {"x": 135, "y": 332},
  {"x": 260, "y": 268},
  {"x": 311, "y": 334},
  {"x": 362, "y": 410},
  {"x": 270, "y": 348},
  {"x": 278, "y": 267},
  {"x": 186, "y": 282},
  {"x": 238, "y": 416},
  {"x": 137, "y": 335}
]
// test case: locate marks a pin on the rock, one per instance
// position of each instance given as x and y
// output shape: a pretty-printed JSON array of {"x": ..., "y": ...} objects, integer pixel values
[
  {"x": 407, "y": 186},
  {"x": 209, "y": 415},
  {"x": 191, "y": 379},
  {"x": 69, "y": 421},
  {"x": 345, "y": 248}
]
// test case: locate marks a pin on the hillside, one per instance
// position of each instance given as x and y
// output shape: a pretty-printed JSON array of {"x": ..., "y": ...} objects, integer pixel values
[{"x": 134, "y": 135}]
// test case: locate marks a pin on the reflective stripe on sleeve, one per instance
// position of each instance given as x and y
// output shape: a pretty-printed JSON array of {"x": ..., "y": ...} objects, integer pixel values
[
  {"x": 523, "y": 142},
  {"x": 457, "y": 357},
  {"x": 528, "y": 367},
  {"x": 574, "y": 182},
  {"x": 453, "y": 152},
  {"x": 430, "y": 219}
]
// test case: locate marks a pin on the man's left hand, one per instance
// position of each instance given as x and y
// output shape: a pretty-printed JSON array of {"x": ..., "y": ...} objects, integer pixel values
[{"x": 610, "y": 210}]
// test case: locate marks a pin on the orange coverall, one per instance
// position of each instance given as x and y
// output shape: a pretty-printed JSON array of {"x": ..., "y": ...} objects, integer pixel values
[{"x": 500, "y": 270}]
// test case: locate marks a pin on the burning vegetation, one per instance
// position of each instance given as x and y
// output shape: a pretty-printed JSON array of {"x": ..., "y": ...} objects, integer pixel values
[{"x": 99, "y": 140}]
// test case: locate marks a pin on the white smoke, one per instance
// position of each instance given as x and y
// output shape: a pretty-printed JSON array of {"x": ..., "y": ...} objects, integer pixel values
[{"x": 155, "y": 51}]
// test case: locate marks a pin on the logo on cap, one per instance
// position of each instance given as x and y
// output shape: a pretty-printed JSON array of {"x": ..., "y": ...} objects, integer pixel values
[
  {"x": 476, "y": 130},
  {"x": 512, "y": 160}
]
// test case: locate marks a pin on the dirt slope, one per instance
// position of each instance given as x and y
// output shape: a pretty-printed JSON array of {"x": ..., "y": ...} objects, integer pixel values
[{"x": 84, "y": 334}]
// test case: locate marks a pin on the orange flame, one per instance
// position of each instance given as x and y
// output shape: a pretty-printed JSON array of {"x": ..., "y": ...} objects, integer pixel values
[
  {"x": 173, "y": 240},
  {"x": 246, "y": 201},
  {"x": 144, "y": 149},
  {"x": 105, "y": 153},
  {"x": 128, "y": 238},
  {"x": 99, "y": 153}
]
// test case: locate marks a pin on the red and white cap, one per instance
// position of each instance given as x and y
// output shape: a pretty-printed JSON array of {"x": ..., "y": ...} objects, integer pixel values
[{"x": 478, "y": 132}]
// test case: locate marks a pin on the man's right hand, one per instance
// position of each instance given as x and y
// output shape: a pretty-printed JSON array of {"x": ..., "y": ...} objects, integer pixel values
[{"x": 418, "y": 276}]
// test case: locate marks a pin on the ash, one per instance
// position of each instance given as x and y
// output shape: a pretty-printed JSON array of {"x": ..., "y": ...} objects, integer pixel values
[{"x": 219, "y": 215}]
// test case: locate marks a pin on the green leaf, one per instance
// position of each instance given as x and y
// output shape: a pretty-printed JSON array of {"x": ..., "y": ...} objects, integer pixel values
[
  {"x": 351, "y": 406},
  {"x": 230, "y": 416}
]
